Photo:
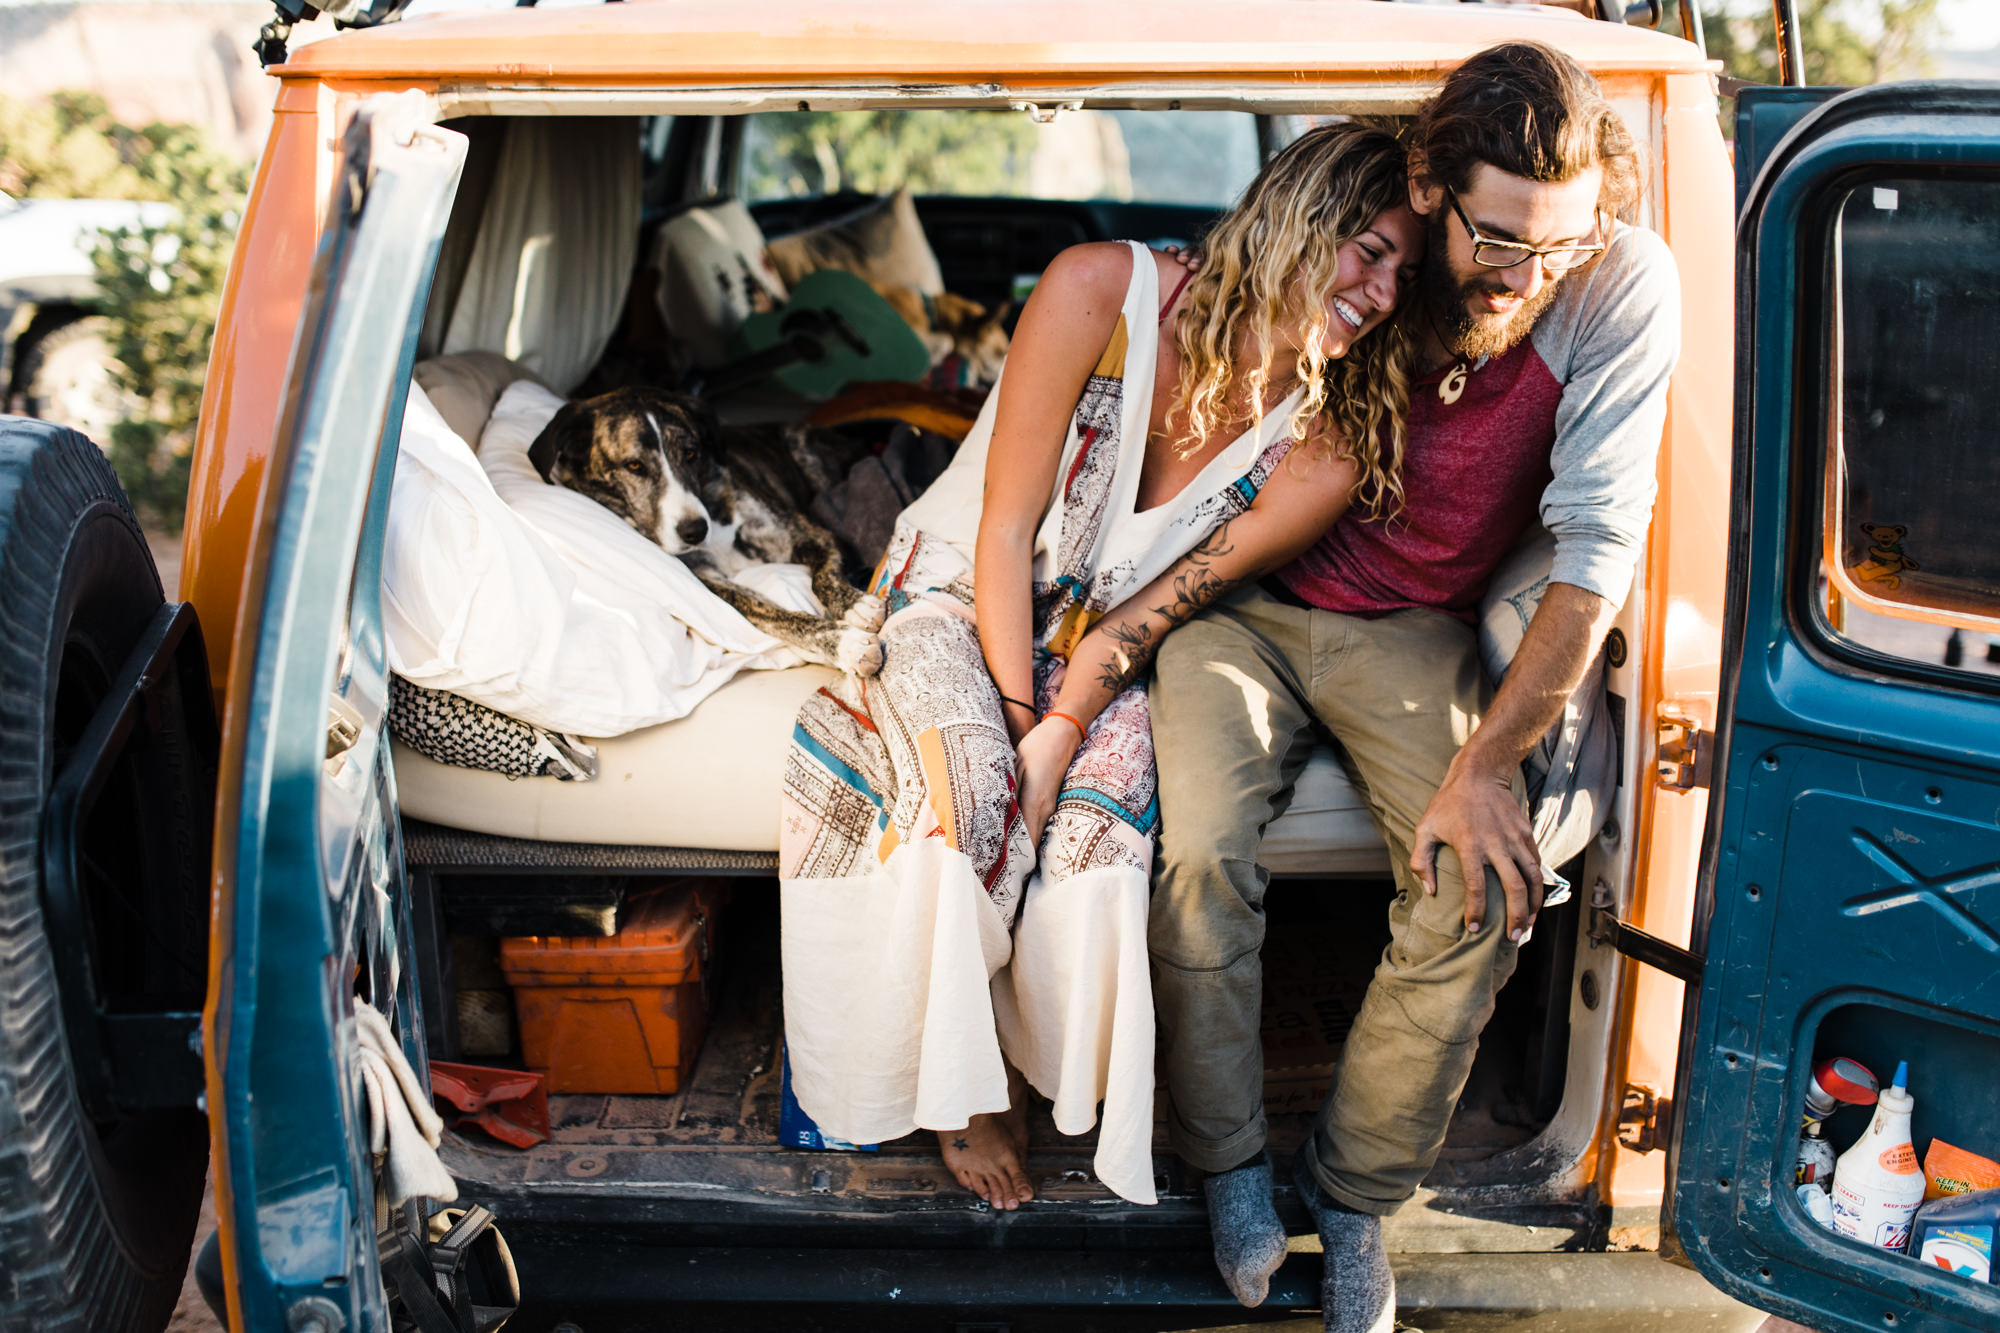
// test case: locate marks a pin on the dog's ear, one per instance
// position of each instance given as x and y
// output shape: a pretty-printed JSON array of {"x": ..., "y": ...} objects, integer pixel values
[
  {"x": 550, "y": 444},
  {"x": 957, "y": 312},
  {"x": 695, "y": 413}
]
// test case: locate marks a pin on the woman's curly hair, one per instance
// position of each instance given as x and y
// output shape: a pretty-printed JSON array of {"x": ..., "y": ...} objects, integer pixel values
[{"x": 1267, "y": 270}]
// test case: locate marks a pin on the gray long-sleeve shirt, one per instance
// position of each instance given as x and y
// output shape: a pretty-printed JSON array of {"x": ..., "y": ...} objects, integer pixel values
[{"x": 1566, "y": 425}]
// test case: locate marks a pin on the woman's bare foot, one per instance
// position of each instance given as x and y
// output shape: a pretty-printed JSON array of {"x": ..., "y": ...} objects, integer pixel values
[
  {"x": 987, "y": 1157},
  {"x": 990, "y": 1155}
]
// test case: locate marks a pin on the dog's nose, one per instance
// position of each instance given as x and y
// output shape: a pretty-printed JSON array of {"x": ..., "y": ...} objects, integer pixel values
[{"x": 693, "y": 531}]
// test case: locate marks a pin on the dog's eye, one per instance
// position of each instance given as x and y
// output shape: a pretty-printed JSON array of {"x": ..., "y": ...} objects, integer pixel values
[{"x": 636, "y": 467}]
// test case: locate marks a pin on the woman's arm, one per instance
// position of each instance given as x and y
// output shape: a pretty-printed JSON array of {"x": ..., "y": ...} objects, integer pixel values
[
  {"x": 1300, "y": 501},
  {"x": 1061, "y": 334}
]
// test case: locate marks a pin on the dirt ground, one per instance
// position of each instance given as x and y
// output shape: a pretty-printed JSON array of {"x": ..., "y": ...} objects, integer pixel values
[
  {"x": 166, "y": 558},
  {"x": 192, "y": 1314}
]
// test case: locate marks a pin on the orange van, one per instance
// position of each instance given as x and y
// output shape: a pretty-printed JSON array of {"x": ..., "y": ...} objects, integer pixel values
[{"x": 1794, "y": 767}]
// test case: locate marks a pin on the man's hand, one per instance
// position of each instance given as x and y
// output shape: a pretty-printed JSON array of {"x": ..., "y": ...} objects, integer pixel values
[
  {"x": 1041, "y": 762},
  {"x": 1474, "y": 811},
  {"x": 1476, "y": 815}
]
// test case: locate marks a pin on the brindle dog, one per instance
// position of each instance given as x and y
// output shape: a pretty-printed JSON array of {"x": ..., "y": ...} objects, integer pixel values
[{"x": 721, "y": 500}]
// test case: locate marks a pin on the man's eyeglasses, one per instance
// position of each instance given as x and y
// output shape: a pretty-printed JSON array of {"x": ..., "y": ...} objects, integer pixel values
[{"x": 1489, "y": 253}]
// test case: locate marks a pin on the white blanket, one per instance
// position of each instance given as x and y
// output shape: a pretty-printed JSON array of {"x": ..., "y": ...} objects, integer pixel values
[{"x": 541, "y": 603}]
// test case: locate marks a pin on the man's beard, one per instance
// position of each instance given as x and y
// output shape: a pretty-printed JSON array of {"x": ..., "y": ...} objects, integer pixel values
[{"x": 1465, "y": 333}]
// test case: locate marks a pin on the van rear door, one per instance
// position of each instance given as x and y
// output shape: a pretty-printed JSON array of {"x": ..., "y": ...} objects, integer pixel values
[
  {"x": 312, "y": 915},
  {"x": 1850, "y": 899}
]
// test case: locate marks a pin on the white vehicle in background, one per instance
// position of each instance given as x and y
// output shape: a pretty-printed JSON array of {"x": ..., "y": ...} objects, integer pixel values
[{"x": 55, "y": 350}]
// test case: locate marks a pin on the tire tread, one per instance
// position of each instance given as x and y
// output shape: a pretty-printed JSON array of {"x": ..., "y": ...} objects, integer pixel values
[{"x": 61, "y": 1266}]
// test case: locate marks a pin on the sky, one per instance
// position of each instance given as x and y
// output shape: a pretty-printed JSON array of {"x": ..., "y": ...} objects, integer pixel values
[{"x": 1970, "y": 25}]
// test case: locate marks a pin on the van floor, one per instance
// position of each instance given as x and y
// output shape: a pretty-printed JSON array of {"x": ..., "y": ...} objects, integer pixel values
[{"x": 718, "y": 1136}]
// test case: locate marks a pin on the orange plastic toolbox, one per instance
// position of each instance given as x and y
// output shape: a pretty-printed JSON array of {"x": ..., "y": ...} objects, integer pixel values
[{"x": 618, "y": 1013}]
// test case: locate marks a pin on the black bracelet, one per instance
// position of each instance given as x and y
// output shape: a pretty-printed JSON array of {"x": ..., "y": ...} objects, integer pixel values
[{"x": 1017, "y": 703}]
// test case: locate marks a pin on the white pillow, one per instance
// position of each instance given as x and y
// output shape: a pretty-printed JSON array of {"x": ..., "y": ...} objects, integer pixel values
[{"x": 537, "y": 601}]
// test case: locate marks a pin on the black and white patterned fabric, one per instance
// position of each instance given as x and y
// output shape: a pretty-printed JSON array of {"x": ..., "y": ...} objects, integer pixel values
[{"x": 452, "y": 729}]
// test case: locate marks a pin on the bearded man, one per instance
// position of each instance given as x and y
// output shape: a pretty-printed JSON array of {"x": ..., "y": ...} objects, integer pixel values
[{"x": 1544, "y": 333}]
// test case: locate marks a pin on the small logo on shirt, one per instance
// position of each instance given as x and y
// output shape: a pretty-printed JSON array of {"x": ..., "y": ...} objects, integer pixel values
[{"x": 1452, "y": 387}]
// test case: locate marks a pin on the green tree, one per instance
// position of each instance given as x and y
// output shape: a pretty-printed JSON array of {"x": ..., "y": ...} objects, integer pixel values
[
  {"x": 68, "y": 147},
  {"x": 1846, "y": 42},
  {"x": 875, "y": 152},
  {"x": 160, "y": 286}
]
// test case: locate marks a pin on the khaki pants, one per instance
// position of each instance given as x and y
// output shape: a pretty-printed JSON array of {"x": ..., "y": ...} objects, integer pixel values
[{"x": 1238, "y": 697}]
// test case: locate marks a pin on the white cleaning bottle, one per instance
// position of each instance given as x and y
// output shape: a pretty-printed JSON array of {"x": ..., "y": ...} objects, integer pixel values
[{"x": 1877, "y": 1184}]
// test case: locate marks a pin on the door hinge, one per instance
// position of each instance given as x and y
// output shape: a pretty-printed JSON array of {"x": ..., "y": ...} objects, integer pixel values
[
  {"x": 1645, "y": 1119},
  {"x": 1636, "y": 944},
  {"x": 1684, "y": 751}
]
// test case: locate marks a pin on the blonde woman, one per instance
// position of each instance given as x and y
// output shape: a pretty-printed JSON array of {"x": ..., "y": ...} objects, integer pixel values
[{"x": 967, "y": 836}]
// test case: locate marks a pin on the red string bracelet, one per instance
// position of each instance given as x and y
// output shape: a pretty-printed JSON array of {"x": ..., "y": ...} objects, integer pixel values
[{"x": 1080, "y": 731}]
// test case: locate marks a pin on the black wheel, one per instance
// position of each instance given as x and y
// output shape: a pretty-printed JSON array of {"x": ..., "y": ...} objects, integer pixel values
[{"x": 97, "y": 1212}]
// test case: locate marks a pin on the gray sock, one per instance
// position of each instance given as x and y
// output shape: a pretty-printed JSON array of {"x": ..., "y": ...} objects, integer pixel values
[
  {"x": 1249, "y": 1239},
  {"x": 1358, "y": 1292}
]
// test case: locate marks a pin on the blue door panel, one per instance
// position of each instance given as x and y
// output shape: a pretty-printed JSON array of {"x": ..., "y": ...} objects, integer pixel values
[
  {"x": 1850, "y": 901},
  {"x": 317, "y": 917},
  {"x": 1764, "y": 116}
]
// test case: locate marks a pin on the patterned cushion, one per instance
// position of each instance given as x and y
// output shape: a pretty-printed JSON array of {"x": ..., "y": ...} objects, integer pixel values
[
  {"x": 711, "y": 781},
  {"x": 454, "y": 730}
]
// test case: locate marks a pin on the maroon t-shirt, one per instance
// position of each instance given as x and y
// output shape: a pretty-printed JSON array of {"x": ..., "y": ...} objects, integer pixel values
[{"x": 1473, "y": 475}]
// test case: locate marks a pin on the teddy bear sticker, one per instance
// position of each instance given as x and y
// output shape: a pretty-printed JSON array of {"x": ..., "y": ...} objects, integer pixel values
[{"x": 1886, "y": 563}]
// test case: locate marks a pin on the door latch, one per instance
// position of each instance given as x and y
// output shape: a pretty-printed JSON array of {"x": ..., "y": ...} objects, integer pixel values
[
  {"x": 343, "y": 727},
  {"x": 1684, "y": 751},
  {"x": 1645, "y": 1119},
  {"x": 1047, "y": 113},
  {"x": 1636, "y": 944}
]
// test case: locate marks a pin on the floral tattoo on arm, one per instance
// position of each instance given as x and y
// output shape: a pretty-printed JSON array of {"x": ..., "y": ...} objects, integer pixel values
[{"x": 1196, "y": 586}]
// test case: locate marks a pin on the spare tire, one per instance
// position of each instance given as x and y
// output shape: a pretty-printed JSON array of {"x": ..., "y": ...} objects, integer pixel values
[{"x": 97, "y": 1213}]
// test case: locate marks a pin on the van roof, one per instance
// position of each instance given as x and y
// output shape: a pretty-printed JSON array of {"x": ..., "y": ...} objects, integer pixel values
[{"x": 1011, "y": 42}]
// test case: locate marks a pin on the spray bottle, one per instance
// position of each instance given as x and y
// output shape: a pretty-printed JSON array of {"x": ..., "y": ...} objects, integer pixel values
[
  {"x": 1837, "y": 1082},
  {"x": 1877, "y": 1184}
]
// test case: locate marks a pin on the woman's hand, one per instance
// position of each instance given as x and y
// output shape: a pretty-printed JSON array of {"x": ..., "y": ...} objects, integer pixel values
[{"x": 1041, "y": 762}]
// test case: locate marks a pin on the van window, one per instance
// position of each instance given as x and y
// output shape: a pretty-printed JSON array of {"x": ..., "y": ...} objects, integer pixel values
[
  {"x": 1200, "y": 158},
  {"x": 1912, "y": 547}
]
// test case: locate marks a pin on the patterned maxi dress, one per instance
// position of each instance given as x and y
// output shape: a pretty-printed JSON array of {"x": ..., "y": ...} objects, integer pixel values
[{"x": 921, "y": 938}]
